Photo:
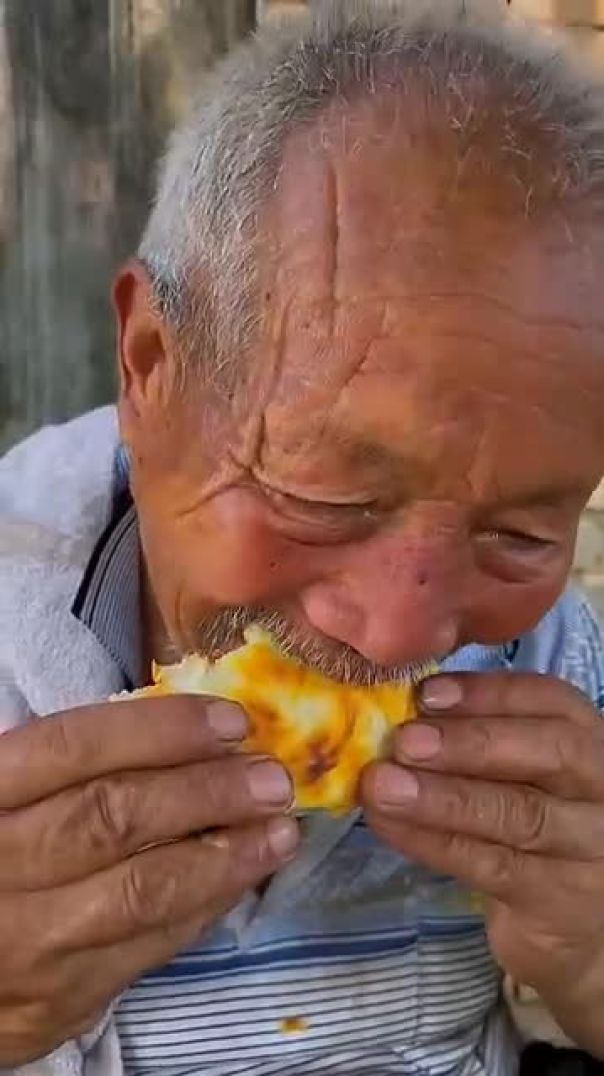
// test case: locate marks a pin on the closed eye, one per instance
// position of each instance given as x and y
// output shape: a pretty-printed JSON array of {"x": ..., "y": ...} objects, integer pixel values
[
  {"x": 519, "y": 539},
  {"x": 323, "y": 520}
]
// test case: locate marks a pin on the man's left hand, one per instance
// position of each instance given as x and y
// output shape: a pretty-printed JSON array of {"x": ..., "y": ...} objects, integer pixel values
[{"x": 501, "y": 784}]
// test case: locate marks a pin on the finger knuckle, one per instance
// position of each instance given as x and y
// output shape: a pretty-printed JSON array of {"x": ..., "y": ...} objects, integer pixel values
[
  {"x": 494, "y": 813},
  {"x": 59, "y": 742},
  {"x": 503, "y": 868},
  {"x": 225, "y": 791},
  {"x": 255, "y": 855},
  {"x": 489, "y": 811},
  {"x": 147, "y": 900},
  {"x": 481, "y": 743},
  {"x": 458, "y": 802},
  {"x": 458, "y": 848},
  {"x": 567, "y": 752},
  {"x": 109, "y": 808},
  {"x": 218, "y": 788},
  {"x": 241, "y": 862},
  {"x": 529, "y": 820}
]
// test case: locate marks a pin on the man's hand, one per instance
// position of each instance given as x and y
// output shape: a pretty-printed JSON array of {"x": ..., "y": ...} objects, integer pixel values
[
  {"x": 125, "y": 830},
  {"x": 502, "y": 786}
]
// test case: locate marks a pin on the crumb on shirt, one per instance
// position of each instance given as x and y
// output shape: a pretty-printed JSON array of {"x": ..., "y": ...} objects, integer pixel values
[
  {"x": 294, "y": 1025},
  {"x": 477, "y": 903}
]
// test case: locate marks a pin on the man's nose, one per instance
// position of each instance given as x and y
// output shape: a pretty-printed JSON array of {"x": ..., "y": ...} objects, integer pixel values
[{"x": 397, "y": 602}]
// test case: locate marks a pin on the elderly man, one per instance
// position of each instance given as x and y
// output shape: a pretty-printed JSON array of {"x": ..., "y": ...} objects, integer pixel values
[{"x": 361, "y": 359}]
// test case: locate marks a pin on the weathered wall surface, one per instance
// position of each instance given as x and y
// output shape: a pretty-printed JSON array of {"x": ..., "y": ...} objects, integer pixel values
[{"x": 87, "y": 94}]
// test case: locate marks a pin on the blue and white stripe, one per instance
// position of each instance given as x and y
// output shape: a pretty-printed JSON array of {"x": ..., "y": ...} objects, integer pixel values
[{"x": 359, "y": 995}]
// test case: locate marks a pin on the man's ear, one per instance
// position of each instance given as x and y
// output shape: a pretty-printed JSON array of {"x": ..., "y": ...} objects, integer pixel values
[{"x": 144, "y": 345}]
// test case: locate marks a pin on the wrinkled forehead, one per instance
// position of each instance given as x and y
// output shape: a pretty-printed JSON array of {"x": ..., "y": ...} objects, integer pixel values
[
  {"x": 384, "y": 199},
  {"x": 408, "y": 287}
]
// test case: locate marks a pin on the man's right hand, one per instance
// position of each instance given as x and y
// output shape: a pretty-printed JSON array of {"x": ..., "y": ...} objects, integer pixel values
[{"x": 125, "y": 830}]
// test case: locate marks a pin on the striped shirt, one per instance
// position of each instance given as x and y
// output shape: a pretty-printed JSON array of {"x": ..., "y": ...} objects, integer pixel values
[{"x": 353, "y": 961}]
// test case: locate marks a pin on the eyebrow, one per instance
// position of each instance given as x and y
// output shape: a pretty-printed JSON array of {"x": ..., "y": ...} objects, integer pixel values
[
  {"x": 543, "y": 496},
  {"x": 373, "y": 457},
  {"x": 377, "y": 457}
]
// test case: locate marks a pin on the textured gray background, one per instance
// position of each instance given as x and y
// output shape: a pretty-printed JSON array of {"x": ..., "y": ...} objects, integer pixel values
[{"x": 88, "y": 90}]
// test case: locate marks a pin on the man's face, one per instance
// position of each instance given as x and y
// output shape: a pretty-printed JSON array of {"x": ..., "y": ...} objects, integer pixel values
[{"x": 403, "y": 470}]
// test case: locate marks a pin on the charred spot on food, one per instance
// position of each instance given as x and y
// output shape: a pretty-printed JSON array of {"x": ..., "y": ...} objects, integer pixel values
[{"x": 322, "y": 758}]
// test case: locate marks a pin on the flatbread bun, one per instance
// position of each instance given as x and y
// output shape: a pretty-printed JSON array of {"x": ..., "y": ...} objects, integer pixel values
[{"x": 324, "y": 732}]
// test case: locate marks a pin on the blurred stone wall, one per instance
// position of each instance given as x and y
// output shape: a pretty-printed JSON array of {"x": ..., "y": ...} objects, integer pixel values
[{"x": 88, "y": 91}]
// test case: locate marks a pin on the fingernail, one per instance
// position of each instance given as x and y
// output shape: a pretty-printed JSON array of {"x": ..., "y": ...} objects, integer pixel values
[
  {"x": 420, "y": 742},
  {"x": 269, "y": 783},
  {"x": 440, "y": 693},
  {"x": 228, "y": 721},
  {"x": 283, "y": 837},
  {"x": 397, "y": 786}
]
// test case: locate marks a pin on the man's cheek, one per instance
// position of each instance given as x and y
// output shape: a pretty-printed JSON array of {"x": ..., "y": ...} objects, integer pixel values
[
  {"x": 244, "y": 563},
  {"x": 505, "y": 611}
]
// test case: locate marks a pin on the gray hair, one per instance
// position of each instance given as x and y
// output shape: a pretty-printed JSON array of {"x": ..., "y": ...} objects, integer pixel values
[{"x": 201, "y": 243}]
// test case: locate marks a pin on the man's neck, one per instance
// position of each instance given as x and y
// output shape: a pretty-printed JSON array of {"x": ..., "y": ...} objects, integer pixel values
[{"x": 155, "y": 644}]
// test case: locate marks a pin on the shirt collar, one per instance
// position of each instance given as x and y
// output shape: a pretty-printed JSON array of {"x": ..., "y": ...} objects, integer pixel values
[{"x": 108, "y": 598}]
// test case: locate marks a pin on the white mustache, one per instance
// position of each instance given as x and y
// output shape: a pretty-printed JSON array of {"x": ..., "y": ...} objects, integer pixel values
[{"x": 224, "y": 631}]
